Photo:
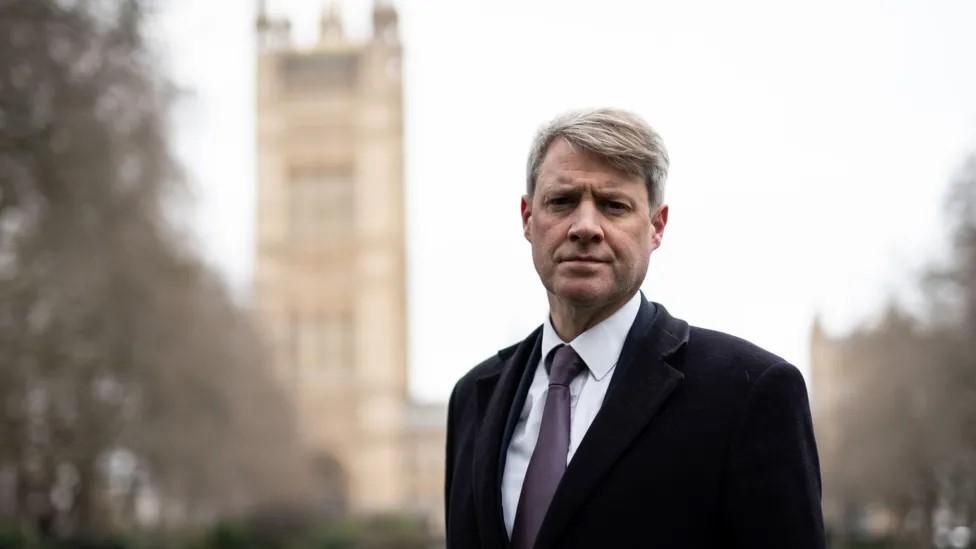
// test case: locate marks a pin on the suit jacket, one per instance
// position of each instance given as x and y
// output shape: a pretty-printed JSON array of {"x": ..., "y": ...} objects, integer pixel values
[{"x": 703, "y": 440}]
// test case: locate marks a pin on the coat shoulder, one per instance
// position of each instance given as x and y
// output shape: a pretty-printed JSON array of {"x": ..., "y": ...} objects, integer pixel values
[
  {"x": 710, "y": 352},
  {"x": 488, "y": 367}
]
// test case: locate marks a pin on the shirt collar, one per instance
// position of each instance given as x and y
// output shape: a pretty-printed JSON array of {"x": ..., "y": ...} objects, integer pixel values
[{"x": 599, "y": 346}]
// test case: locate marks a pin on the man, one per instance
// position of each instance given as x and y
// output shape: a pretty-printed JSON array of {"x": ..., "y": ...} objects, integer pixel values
[{"x": 615, "y": 424}]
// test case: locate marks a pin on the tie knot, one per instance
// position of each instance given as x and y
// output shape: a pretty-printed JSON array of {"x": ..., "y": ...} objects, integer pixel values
[{"x": 565, "y": 365}]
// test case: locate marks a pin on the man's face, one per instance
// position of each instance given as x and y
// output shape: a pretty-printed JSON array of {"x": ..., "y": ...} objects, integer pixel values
[{"x": 591, "y": 228}]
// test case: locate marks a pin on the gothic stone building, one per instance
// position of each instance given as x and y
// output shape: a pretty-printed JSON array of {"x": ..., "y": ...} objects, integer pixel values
[{"x": 329, "y": 275}]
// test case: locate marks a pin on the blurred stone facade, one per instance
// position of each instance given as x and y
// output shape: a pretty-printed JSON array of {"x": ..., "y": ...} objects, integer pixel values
[
  {"x": 826, "y": 390},
  {"x": 330, "y": 259},
  {"x": 830, "y": 389}
]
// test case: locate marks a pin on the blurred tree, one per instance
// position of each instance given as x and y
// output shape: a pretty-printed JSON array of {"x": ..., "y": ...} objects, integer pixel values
[
  {"x": 906, "y": 450},
  {"x": 953, "y": 291},
  {"x": 131, "y": 386}
]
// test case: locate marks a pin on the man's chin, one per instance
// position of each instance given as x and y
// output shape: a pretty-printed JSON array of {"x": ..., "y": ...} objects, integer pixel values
[{"x": 582, "y": 295}]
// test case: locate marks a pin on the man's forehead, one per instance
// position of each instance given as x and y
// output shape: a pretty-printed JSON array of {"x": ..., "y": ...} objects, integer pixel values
[
  {"x": 563, "y": 159},
  {"x": 562, "y": 152},
  {"x": 604, "y": 181}
]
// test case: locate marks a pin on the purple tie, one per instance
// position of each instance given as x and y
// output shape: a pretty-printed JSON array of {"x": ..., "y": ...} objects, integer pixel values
[{"x": 548, "y": 460}]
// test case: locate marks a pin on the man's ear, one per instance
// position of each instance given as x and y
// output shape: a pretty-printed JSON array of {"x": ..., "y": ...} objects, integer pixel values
[
  {"x": 659, "y": 220},
  {"x": 526, "y": 214}
]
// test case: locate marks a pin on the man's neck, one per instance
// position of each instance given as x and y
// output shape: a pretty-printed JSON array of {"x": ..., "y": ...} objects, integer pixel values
[{"x": 570, "y": 320}]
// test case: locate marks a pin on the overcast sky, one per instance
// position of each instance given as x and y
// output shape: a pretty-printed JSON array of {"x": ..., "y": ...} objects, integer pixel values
[{"x": 811, "y": 145}]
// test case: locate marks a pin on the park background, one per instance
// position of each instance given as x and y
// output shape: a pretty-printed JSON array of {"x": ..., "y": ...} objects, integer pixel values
[{"x": 822, "y": 194}]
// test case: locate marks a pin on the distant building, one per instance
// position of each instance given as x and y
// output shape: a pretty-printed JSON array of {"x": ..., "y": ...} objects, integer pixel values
[
  {"x": 826, "y": 391},
  {"x": 330, "y": 261},
  {"x": 831, "y": 391}
]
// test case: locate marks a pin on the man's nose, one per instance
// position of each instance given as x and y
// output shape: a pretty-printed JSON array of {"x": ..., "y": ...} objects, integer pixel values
[{"x": 586, "y": 226}]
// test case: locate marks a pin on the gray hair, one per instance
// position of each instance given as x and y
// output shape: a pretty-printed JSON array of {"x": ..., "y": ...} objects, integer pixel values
[{"x": 620, "y": 138}]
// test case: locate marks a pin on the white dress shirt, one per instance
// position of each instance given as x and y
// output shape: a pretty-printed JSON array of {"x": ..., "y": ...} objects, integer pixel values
[{"x": 599, "y": 347}]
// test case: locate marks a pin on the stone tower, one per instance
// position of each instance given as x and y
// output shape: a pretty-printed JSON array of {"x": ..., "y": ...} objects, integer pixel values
[{"x": 329, "y": 274}]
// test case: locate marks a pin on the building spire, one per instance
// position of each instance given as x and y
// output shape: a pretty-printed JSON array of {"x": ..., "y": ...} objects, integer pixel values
[
  {"x": 330, "y": 25},
  {"x": 262, "y": 23},
  {"x": 272, "y": 32},
  {"x": 385, "y": 21}
]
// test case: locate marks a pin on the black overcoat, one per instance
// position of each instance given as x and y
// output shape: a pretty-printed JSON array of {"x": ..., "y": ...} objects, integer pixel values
[{"x": 703, "y": 440}]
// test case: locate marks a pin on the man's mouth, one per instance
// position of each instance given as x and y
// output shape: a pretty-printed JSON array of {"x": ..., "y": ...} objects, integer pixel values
[{"x": 582, "y": 259}]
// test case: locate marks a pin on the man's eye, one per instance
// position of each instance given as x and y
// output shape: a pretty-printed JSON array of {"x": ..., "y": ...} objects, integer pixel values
[
  {"x": 615, "y": 206},
  {"x": 560, "y": 201}
]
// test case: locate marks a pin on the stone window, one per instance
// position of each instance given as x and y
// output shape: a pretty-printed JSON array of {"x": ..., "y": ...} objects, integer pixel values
[
  {"x": 313, "y": 73},
  {"x": 326, "y": 345},
  {"x": 320, "y": 207}
]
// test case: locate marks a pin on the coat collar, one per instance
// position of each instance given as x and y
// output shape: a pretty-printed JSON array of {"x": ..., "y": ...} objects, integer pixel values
[
  {"x": 642, "y": 382},
  {"x": 640, "y": 386},
  {"x": 495, "y": 393}
]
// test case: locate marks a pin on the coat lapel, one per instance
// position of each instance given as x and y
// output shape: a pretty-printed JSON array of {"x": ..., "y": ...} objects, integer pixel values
[
  {"x": 495, "y": 393},
  {"x": 642, "y": 382}
]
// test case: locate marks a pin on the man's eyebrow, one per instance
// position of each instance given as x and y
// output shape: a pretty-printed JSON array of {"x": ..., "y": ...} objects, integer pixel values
[
  {"x": 611, "y": 193},
  {"x": 562, "y": 184},
  {"x": 563, "y": 180}
]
